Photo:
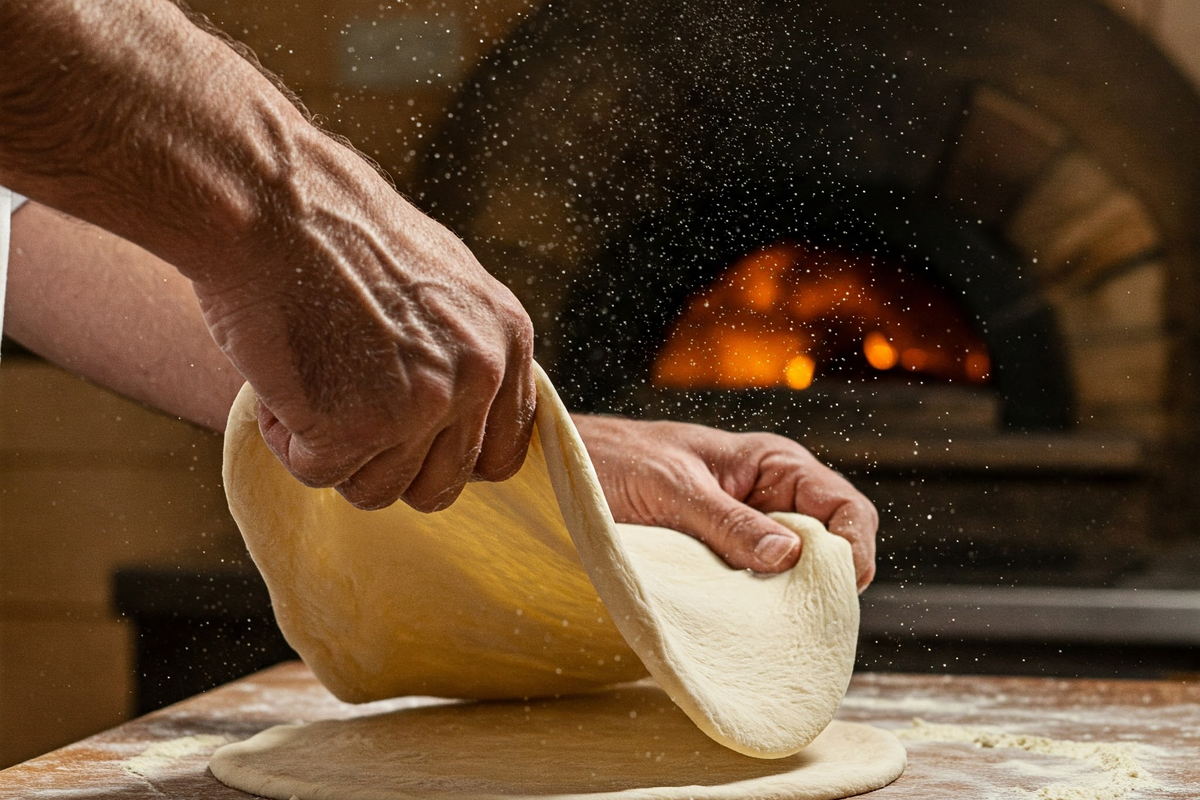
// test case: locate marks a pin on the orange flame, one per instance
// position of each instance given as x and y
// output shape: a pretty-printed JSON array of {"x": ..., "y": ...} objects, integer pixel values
[
  {"x": 782, "y": 315},
  {"x": 800, "y": 372},
  {"x": 879, "y": 351}
]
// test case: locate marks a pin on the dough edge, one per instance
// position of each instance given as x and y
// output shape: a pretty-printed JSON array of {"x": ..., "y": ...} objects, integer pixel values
[{"x": 877, "y": 760}]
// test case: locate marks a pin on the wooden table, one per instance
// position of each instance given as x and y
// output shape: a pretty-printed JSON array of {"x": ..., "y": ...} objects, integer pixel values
[{"x": 1158, "y": 722}]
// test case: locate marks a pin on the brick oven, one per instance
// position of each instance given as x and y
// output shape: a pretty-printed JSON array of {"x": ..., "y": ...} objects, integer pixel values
[
  {"x": 847, "y": 195},
  {"x": 950, "y": 246}
]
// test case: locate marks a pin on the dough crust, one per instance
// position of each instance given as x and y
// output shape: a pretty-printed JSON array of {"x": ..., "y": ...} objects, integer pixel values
[
  {"x": 499, "y": 596},
  {"x": 630, "y": 743}
]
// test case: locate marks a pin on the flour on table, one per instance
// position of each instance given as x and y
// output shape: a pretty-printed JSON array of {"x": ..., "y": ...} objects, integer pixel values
[
  {"x": 160, "y": 756},
  {"x": 1114, "y": 771}
]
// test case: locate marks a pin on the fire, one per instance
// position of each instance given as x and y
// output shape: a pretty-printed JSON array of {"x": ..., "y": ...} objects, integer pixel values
[
  {"x": 879, "y": 351},
  {"x": 786, "y": 314},
  {"x": 800, "y": 372}
]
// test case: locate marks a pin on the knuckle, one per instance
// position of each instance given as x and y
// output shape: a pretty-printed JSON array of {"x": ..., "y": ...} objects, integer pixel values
[
  {"x": 432, "y": 390},
  {"x": 318, "y": 469},
  {"x": 774, "y": 443},
  {"x": 764, "y": 439},
  {"x": 484, "y": 367},
  {"x": 739, "y": 525},
  {"x": 380, "y": 482},
  {"x": 524, "y": 337},
  {"x": 864, "y": 509},
  {"x": 499, "y": 464},
  {"x": 312, "y": 480}
]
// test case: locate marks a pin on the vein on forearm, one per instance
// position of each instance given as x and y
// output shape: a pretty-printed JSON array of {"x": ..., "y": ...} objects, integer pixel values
[{"x": 141, "y": 117}]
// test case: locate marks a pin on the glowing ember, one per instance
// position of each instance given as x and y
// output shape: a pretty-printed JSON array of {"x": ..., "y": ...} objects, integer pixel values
[
  {"x": 800, "y": 371},
  {"x": 879, "y": 351},
  {"x": 786, "y": 314}
]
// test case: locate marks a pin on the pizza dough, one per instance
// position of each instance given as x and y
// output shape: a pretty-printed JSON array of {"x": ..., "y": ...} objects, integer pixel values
[
  {"x": 625, "y": 744},
  {"x": 499, "y": 596}
]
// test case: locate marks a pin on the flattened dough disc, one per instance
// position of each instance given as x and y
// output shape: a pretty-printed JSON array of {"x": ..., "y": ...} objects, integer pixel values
[
  {"x": 499, "y": 596},
  {"x": 630, "y": 743}
]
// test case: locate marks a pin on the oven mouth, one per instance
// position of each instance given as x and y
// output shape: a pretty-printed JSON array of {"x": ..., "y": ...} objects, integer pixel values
[
  {"x": 1028, "y": 158},
  {"x": 793, "y": 313},
  {"x": 613, "y": 331}
]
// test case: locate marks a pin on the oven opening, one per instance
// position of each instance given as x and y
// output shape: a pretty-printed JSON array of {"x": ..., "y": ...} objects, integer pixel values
[{"x": 794, "y": 314}]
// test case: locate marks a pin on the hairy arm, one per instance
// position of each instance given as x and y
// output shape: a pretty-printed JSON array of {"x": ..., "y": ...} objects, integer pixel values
[
  {"x": 387, "y": 362},
  {"x": 126, "y": 115}
]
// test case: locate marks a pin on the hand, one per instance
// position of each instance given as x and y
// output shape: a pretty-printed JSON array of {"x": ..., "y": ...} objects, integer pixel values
[
  {"x": 388, "y": 363},
  {"x": 717, "y": 486}
]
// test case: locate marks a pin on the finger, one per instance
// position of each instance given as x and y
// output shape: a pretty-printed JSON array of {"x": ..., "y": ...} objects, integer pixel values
[
  {"x": 831, "y": 499},
  {"x": 857, "y": 522},
  {"x": 384, "y": 479},
  {"x": 275, "y": 434},
  {"x": 743, "y": 537},
  {"x": 798, "y": 482},
  {"x": 509, "y": 424},
  {"x": 306, "y": 466},
  {"x": 446, "y": 470},
  {"x": 389, "y": 475}
]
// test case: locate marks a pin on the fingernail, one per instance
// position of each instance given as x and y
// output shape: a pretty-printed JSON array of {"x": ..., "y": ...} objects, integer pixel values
[{"x": 773, "y": 548}]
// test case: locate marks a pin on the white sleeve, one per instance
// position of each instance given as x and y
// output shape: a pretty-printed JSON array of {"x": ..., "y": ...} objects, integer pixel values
[
  {"x": 5, "y": 215},
  {"x": 18, "y": 200}
]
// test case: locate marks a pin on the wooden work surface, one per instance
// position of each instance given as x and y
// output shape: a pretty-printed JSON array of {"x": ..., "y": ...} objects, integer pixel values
[{"x": 1157, "y": 723}]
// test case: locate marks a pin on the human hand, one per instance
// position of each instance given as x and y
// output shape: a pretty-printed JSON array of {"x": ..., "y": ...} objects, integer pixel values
[
  {"x": 387, "y": 361},
  {"x": 718, "y": 486}
]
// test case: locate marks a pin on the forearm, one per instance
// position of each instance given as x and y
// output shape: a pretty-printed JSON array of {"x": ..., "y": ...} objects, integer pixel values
[
  {"x": 112, "y": 312},
  {"x": 126, "y": 115},
  {"x": 387, "y": 362}
]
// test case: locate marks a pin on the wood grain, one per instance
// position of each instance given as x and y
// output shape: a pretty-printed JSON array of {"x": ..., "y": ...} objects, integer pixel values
[{"x": 1160, "y": 719}]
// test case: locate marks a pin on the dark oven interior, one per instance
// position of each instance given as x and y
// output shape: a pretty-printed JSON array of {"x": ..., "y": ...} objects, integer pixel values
[{"x": 1032, "y": 164}]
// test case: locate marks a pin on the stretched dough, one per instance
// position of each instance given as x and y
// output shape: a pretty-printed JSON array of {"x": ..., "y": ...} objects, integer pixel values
[
  {"x": 631, "y": 743},
  {"x": 499, "y": 596}
]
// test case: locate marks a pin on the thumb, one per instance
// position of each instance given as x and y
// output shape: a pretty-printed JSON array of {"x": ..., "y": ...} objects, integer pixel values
[
  {"x": 743, "y": 537},
  {"x": 275, "y": 434}
]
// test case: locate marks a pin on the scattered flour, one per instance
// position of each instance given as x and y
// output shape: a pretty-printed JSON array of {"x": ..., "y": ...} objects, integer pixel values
[
  {"x": 158, "y": 757},
  {"x": 1116, "y": 772}
]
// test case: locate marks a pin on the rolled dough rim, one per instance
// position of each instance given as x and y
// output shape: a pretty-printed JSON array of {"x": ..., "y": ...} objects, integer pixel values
[{"x": 604, "y": 557}]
